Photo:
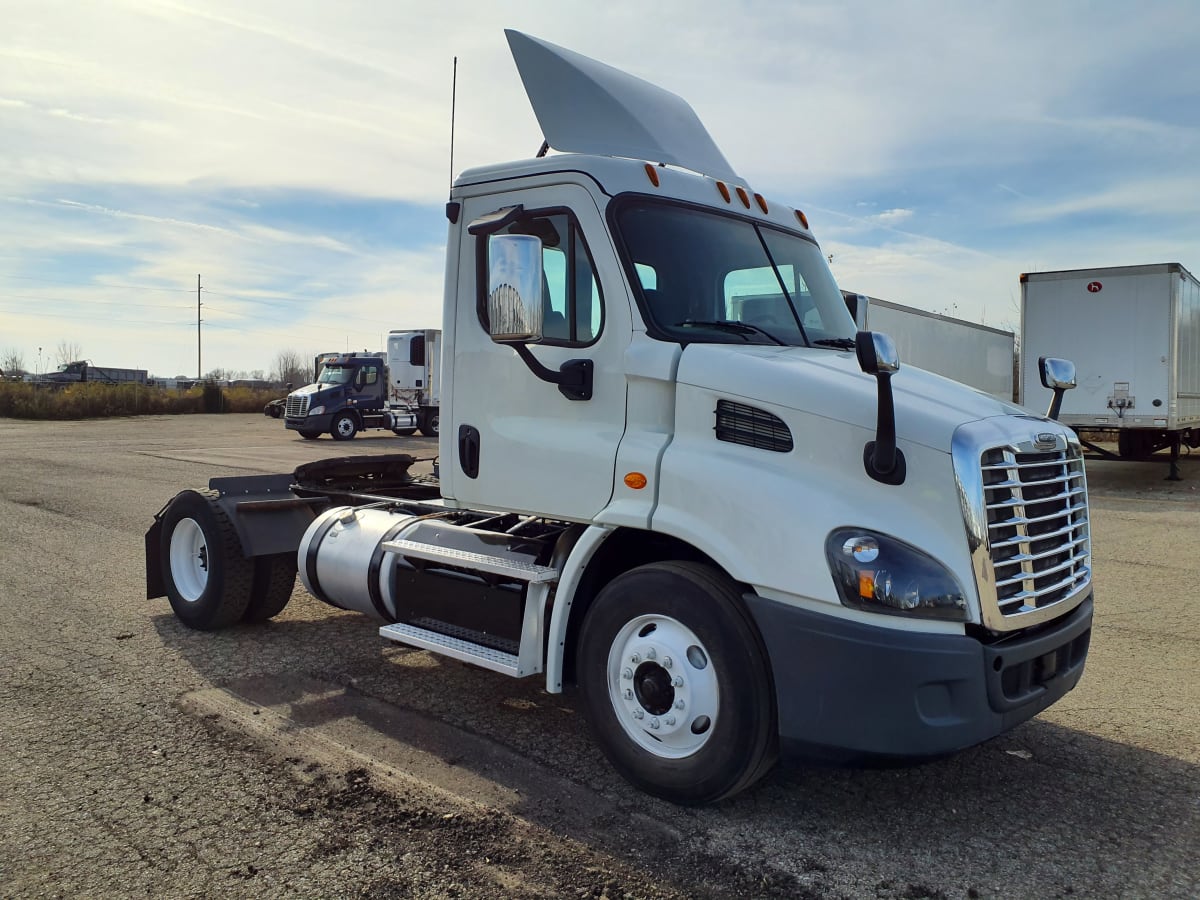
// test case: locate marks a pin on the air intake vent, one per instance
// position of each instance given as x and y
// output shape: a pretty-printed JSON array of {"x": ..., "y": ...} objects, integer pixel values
[{"x": 741, "y": 424}]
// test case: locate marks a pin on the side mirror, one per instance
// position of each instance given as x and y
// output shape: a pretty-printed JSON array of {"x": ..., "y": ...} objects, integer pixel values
[
  {"x": 877, "y": 356},
  {"x": 876, "y": 353},
  {"x": 1059, "y": 376},
  {"x": 514, "y": 297}
]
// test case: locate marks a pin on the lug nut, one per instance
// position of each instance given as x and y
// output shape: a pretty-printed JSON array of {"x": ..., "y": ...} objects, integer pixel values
[
  {"x": 667, "y": 662},
  {"x": 679, "y": 703},
  {"x": 628, "y": 694},
  {"x": 650, "y": 654},
  {"x": 635, "y": 659},
  {"x": 670, "y": 720},
  {"x": 654, "y": 723},
  {"x": 677, "y": 681},
  {"x": 638, "y": 714},
  {"x": 627, "y": 674}
]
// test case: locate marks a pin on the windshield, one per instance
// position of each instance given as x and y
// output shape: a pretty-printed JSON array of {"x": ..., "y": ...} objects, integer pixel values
[
  {"x": 706, "y": 277},
  {"x": 336, "y": 375}
]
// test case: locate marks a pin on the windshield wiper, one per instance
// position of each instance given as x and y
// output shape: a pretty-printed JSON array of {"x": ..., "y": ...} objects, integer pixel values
[
  {"x": 742, "y": 328},
  {"x": 840, "y": 343}
]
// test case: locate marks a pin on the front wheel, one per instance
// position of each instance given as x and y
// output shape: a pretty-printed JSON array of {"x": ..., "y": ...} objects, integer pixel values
[
  {"x": 675, "y": 683},
  {"x": 208, "y": 580},
  {"x": 344, "y": 427}
]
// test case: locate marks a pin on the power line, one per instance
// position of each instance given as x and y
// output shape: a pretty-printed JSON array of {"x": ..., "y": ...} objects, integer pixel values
[{"x": 105, "y": 284}]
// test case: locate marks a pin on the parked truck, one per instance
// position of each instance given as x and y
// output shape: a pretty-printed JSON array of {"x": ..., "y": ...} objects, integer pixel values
[
  {"x": 1134, "y": 334},
  {"x": 84, "y": 371},
  {"x": 414, "y": 394},
  {"x": 675, "y": 477},
  {"x": 973, "y": 354},
  {"x": 349, "y": 394}
]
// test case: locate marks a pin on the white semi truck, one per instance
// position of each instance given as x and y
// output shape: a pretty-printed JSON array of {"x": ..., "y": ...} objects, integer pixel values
[
  {"x": 1134, "y": 334},
  {"x": 976, "y": 355},
  {"x": 675, "y": 477}
]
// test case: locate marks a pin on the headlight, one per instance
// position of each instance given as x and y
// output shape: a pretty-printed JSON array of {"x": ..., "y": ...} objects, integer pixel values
[
  {"x": 316, "y": 411},
  {"x": 878, "y": 573}
]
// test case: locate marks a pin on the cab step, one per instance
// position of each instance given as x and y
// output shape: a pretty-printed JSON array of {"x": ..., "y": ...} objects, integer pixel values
[
  {"x": 477, "y": 562},
  {"x": 455, "y": 647}
]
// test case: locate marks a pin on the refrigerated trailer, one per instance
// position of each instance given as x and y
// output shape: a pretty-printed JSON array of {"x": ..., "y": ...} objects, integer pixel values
[
  {"x": 1133, "y": 333},
  {"x": 976, "y": 355}
]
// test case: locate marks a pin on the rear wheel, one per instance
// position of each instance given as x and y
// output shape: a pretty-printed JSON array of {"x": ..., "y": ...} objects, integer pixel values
[
  {"x": 208, "y": 580},
  {"x": 344, "y": 427},
  {"x": 675, "y": 683},
  {"x": 404, "y": 432},
  {"x": 274, "y": 579},
  {"x": 429, "y": 422}
]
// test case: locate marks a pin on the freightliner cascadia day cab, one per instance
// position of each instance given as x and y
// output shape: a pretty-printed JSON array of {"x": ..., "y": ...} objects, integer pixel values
[{"x": 674, "y": 476}]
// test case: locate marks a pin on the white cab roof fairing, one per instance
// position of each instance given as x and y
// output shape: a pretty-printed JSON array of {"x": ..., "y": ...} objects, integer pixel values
[{"x": 585, "y": 106}]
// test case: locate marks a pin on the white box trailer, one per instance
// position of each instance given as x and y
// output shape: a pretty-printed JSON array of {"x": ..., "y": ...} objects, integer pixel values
[
  {"x": 1133, "y": 333},
  {"x": 414, "y": 392},
  {"x": 975, "y": 355}
]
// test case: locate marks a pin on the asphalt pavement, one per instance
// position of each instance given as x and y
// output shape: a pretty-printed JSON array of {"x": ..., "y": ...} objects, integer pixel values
[{"x": 308, "y": 757}]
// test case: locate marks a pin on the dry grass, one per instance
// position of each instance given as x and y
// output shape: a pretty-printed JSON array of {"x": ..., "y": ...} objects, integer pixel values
[{"x": 97, "y": 401}]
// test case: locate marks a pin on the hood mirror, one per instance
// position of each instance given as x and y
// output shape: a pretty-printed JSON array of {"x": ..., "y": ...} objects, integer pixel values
[
  {"x": 877, "y": 355},
  {"x": 1059, "y": 376}
]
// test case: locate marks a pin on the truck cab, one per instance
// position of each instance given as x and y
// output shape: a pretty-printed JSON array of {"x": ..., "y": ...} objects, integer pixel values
[{"x": 349, "y": 394}]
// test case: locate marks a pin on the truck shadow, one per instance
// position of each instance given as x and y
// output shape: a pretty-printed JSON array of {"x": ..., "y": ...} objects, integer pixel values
[{"x": 1044, "y": 806}]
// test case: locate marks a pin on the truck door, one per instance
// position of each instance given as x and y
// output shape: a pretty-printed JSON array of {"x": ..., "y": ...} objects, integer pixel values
[
  {"x": 534, "y": 449},
  {"x": 368, "y": 386}
]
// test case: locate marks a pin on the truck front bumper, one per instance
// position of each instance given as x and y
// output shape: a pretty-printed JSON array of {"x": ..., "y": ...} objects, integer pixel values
[
  {"x": 319, "y": 423},
  {"x": 845, "y": 690}
]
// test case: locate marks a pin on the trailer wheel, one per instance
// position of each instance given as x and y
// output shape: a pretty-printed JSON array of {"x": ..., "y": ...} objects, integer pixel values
[
  {"x": 208, "y": 581},
  {"x": 274, "y": 579},
  {"x": 344, "y": 427},
  {"x": 675, "y": 683},
  {"x": 429, "y": 423},
  {"x": 310, "y": 435}
]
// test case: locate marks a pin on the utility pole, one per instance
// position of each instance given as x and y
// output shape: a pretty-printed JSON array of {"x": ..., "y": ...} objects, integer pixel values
[{"x": 199, "y": 367}]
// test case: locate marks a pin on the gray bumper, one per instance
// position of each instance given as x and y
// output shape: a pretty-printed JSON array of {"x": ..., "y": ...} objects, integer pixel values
[{"x": 847, "y": 690}]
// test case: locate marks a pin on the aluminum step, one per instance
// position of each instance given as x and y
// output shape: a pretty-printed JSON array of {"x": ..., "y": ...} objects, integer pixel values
[
  {"x": 477, "y": 562},
  {"x": 455, "y": 648}
]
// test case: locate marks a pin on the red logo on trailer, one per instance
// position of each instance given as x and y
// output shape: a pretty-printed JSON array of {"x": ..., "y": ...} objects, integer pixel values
[{"x": 1095, "y": 287}]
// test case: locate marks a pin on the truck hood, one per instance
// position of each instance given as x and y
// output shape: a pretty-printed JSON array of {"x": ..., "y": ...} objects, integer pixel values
[{"x": 830, "y": 384}]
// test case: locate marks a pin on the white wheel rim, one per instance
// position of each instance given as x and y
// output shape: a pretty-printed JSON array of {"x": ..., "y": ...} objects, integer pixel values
[
  {"x": 345, "y": 427},
  {"x": 189, "y": 560},
  {"x": 663, "y": 686}
]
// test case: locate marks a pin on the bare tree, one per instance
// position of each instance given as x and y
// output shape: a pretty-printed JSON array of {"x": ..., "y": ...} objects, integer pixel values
[
  {"x": 68, "y": 352},
  {"x": 12, "y": 362},
  {"x": 290, "y": 368}
]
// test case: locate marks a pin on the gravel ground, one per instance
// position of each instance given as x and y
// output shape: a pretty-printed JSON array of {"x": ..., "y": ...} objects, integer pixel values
[{"x": 310, "y": 758}]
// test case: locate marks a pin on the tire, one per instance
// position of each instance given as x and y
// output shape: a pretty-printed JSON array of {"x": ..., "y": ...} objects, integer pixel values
[
  {"x": 404, "y": 432},
  {"x": 274, "y": 579},
  {"x": 429, "y": 423},
  {"x": 310, "y": 435},
  {"x": 208, "y": 580},
  {"x": 675, "y": 683},
  {"x": 274, "y": 412},
  {"x": 344, "y": 427}
]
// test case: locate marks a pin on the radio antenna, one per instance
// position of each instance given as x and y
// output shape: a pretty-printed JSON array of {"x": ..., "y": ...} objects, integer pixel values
[{"x": 453, "y": 100}]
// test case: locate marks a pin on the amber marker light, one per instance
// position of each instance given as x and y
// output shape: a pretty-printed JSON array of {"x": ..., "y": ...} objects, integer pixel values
[
  {"x": 652, "y": 174},
  {"x": 762, "y": 204},
  {"x": 723, "y": 188},
  {"x": 802, "y": 218},
  {"x": 744, "y": 197},
  {"x": 866, "y": 585},
  {"x": 635, "y": 480}
]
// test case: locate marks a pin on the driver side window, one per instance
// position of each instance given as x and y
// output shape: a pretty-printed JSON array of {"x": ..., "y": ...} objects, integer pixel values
[{"x": 572, "y": 303}]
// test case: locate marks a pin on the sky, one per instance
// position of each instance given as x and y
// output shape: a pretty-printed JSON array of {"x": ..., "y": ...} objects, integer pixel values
[{"x": 296, "y": 155}]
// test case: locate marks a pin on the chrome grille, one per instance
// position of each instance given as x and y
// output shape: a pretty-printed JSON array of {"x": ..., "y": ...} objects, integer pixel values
[
  {"x": 297, "y": 406},
  {"x": 1025, "y": 504}
]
